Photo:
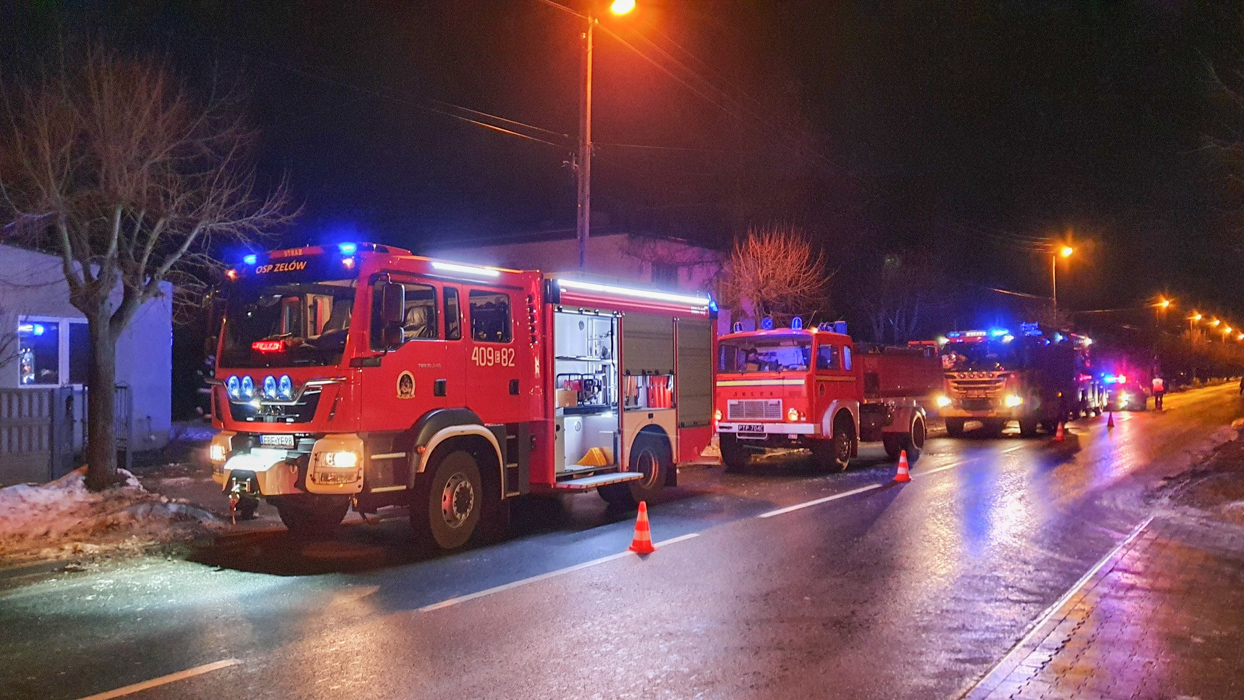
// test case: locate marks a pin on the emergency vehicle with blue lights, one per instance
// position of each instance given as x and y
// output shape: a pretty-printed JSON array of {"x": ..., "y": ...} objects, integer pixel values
[
  {"x": 813, "y": 388},
  {"x": 362, "y": 376},
  {"x": 1037, "y": 377}
]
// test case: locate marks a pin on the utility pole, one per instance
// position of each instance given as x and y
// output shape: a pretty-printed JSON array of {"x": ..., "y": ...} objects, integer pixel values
[{"x": 583, "y": 169}]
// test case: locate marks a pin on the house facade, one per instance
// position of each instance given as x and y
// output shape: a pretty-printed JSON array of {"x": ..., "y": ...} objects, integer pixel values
[{"x": 44, "y": 345}]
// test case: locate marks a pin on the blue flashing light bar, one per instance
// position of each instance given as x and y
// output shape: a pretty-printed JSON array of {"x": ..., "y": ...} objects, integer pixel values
[
  {"x": 31, "y": 328},
  {"x": 796, "y": 323},
  {"x": 250, "y": 259},
  {"x": 766, "y": 323},
  {"x": 348, "y": 248},
  {"x": 999, "y": 332}
]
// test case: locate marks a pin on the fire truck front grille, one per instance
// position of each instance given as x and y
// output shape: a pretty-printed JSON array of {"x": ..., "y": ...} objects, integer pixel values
[
  {"x": 300, "y": 411},
  {"x": 754, "y": 409},
  {"x": 977, "y": 387}
]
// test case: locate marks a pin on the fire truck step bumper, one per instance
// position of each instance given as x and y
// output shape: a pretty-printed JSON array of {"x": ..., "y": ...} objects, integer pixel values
[{"x": 591, "y": 482}]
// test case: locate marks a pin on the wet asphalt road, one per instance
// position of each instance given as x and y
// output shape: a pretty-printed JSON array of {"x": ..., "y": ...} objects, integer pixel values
[{"x": 787, "y": 583}]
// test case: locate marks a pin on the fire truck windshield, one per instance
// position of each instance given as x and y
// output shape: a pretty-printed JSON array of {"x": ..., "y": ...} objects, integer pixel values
[
  {"x": 769, "y": 354},
  {"x": 295, "y": 323},
  {"x": 988, "y": 355}
]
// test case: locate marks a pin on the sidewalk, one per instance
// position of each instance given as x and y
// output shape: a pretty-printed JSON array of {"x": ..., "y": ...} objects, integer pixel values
[{"x": 1163, "y": 617}]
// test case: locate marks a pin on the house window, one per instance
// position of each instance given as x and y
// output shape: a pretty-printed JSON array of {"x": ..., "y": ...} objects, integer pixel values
[
  {"x": 52, "y": 352},
  {"x": 38, "y": 352},
  {"x": 490, "y": 317},
  {"x": 664, "y": 275}
]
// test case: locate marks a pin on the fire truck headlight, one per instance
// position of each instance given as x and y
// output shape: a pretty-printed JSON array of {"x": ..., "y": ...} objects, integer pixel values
[
  {"x": 793, "y": 415},
  {"x": 234, "y": 387},
  {"x": 218, "y": 449},
  {"x": 1012, "y": 400},
  {"x": 248, "y": 387},
  {"x": 285, "y": 387},
  {"x": 717, "y": 414},
  {"x": 216, "y": 453},
  {"x": 1124, "y": 399},
  {"x": 341, "y": 460},
  {"x": 943, "y": 401}
]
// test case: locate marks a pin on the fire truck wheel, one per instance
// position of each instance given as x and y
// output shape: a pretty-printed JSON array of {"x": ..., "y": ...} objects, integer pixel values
[
  {"x": 311, "y": 515},
  {"x": 834, "y": 454},
  {"x": 993, "y": 428},
  {"x": 650, "y": 457},
  {"x": 733, "y": 455},
  {"x": 911, "y": 441},
  {"x": 1028, "y": 427},
  {"x": 452, "y": 501},
  {"x": 954, "y": 427}
]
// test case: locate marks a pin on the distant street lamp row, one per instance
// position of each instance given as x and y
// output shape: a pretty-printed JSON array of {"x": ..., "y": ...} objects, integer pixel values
[{"x": 1196, "y": 318}]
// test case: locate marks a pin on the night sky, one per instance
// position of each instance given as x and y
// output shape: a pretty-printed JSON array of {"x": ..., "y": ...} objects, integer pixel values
[{"x": 962, "y": 129}]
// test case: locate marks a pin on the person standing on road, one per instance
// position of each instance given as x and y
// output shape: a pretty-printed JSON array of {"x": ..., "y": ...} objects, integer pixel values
[{"x": 1159, "y": 390}]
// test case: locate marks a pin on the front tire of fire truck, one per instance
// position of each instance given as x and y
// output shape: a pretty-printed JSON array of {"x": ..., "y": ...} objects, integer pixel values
[
  {"x": 835, "y": 454},
  {"x": 912, "y": 441},
  {"x": 1028, "y": 427},
  {"x": 450, "y": 502},
  {"x": 651, "y": 457},
  {"x": 954, "y": 427},
  {"x": 733, "y": 455},
  {"x": 311, "y": 515}
]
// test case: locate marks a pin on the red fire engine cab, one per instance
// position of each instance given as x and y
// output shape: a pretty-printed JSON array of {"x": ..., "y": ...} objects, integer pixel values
[
  {"x": 359, "y": 375},
  {"x": 809, "y": 388}
]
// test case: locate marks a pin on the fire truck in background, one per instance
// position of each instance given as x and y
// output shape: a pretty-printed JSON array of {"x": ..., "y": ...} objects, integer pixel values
[
  {"x": 361, "y": 376},
  {"x": 1036, "y": 376},
  {"x": 811, "y": 388}
]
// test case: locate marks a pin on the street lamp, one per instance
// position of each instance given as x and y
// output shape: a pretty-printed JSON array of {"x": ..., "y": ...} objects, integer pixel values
[
  {"x": 583, "y": 168},
  {"x": 1062, "y": 252}
]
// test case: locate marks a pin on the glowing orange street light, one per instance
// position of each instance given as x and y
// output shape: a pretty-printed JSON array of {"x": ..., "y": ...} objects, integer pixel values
[
  {"x": 1196, "y": 316},
  {"x": 1066, "y": 251},
  {"x": 1215, "y": 323},
  {"x": 621, "y": 7},
  {"x": 1164, "y": 303}
]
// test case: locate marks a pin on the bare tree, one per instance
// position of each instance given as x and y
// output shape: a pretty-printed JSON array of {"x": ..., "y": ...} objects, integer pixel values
[
  {"x": 911, "y": 289},
  {"x": 10, "y": 342},
  {"x": 776, "y": 272},
  {"x": 116, "y": 168}
]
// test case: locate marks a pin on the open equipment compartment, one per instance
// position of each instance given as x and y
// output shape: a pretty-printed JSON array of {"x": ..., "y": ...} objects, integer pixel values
[{"x": 585, "y": 365}]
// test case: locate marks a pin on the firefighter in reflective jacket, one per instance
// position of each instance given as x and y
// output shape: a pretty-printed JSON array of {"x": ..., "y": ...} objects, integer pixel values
[{"x": 1159, "y": 390}]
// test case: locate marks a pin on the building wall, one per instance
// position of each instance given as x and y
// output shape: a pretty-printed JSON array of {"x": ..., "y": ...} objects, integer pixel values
[{"x": 33, "y": 287}]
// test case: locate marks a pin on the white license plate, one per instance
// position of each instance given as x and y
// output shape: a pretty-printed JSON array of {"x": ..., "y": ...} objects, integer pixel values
[
  {"x": 276, "y": 440},
  {"x": 751, "y": 428}
]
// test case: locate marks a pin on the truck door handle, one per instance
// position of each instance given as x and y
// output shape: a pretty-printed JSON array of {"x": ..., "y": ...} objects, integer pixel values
[
  {"x": 514, "y": 387},
  {"x": 438, "y": 387}
]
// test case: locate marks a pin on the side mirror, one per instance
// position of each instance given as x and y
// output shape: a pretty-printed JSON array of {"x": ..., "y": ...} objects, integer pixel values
[{"x": 392, "y": 311}]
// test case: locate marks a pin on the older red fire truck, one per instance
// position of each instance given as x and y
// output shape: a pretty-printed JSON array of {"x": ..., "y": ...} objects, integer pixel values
[
  {"x": 810, "y": 388},
  {"x": 359, "y": 375}
]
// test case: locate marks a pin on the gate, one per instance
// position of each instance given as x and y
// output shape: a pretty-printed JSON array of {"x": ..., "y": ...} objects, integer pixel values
[{"x": 36, "y": 434}]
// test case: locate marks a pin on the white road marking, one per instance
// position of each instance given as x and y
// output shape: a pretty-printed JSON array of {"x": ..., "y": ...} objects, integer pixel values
[
  {"x": 1049, "y": 612},
  {"x": 164, "y": 680},
  {"x": 819, "y": 501},
  {"x": 836, "y": 496},
  {"x": 544, "y": 577}
]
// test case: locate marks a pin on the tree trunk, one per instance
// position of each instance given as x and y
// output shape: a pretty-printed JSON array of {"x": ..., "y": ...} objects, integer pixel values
[{"x": 101, "y": 438}]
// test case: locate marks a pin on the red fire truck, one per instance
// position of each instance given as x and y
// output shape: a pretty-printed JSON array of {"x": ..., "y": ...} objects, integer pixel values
[
  {"x": 361, "y": 376},
  {"x": 1037, "y": 377},
  {"x": 809, "y": 388}
]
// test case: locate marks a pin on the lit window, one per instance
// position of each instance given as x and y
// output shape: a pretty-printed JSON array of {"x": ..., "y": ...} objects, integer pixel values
[{"x": 38, "y": 353}]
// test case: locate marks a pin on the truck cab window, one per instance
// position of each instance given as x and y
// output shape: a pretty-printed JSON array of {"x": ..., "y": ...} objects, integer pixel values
[
  {"x": 490, "y": 317},
  {"x": 846, "y": 358},
  {"x": 827, "y": 358},
  {"x": 453, "y": 315},
  {"x": 419, "y": 317}
]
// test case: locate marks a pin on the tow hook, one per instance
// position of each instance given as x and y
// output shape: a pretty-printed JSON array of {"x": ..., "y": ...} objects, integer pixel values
[{"x": 235, "y": 495}]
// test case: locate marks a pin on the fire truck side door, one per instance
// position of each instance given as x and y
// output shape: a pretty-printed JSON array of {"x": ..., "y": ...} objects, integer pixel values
[
  {"x": 404, "y": 384},
  {"x": 498, "y": 371}
]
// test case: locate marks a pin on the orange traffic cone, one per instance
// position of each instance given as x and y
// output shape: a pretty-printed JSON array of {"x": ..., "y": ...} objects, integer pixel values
[
  {"x": 642, "y": 544},
  {"x": 1110, "y": 421},
  {"x": 1058, "y": 434},
  {"x": 904, "y": 473}
]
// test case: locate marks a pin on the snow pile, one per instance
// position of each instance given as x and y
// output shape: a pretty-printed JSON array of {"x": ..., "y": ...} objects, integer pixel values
[{"x": 62, "y": 518}]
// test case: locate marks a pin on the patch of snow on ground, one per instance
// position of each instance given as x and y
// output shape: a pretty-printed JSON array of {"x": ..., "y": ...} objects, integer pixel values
[{"x": 63, "y": 517}]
